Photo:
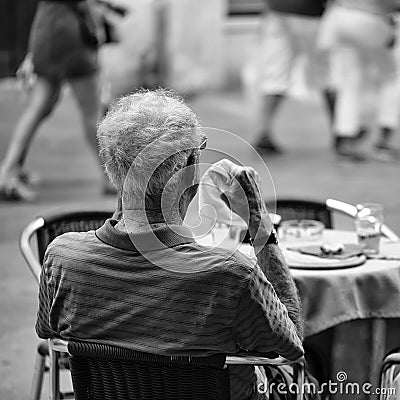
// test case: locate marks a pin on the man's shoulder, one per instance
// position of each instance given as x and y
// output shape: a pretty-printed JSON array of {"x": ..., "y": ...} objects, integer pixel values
[
  {"x": 229, "y": 260},
  {"x": 70, "y": 241}
]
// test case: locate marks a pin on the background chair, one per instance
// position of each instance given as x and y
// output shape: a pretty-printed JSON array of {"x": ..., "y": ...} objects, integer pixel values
[
  {"x": 291, "y": 208},
  {"x": 351, "y": 211},
  {"x": 46, "y": 229},
  {"x": 101, "y": 372}
]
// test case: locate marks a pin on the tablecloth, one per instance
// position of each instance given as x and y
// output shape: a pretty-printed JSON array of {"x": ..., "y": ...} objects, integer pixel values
[{"x": 331, "y": 297}]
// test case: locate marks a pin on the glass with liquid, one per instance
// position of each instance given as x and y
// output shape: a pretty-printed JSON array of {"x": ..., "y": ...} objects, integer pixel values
[{"x": 368, "y": 221}]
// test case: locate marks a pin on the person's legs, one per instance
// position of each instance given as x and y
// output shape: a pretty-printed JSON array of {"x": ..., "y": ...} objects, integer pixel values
[
  {"x": 41, "y": 102},
  {"x": 86, "y": 90},
  {"x": 348, "y": 108},
  {"x": 346, "y": 35},
  {"x": 269, "y": 107},
  {"x": 388, "y": 106},
  {"x": 276, "y": 56}
]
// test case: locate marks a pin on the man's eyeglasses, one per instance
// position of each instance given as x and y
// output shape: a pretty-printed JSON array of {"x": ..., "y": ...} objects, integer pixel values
[{"x": 203, "y": 144}]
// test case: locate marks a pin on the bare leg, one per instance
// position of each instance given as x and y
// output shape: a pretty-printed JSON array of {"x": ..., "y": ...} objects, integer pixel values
[
  {"x": 46, "y": 112},
  {"x": 87, "y": 94},
  {"x": 268, "y": 110},
  {"x": 42, "y": 99}
]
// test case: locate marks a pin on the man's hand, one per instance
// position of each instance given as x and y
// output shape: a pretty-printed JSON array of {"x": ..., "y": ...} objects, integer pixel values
[
  {"x": 245, "y": 199},
  {"x": 25, "y": 73},
  {"x": 244, "y": 196}
]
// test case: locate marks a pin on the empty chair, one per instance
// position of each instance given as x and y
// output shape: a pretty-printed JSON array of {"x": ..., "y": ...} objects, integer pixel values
[{"x": 289, "y": 208}]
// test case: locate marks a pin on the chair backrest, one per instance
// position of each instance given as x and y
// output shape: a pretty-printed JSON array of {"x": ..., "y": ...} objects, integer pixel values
[
  {"x": 57, "y": 224},
  {"x": 102, "y": 372},
  {"x": 48, "y": 227},
  {"x": 289, "y": 208}
]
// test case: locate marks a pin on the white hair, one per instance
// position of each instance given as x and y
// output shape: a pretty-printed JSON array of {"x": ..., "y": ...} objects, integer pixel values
[{"x": 154, "y": 132}]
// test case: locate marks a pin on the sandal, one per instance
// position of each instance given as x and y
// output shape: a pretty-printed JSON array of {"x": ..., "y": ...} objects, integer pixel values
[
  {"x": 28, "y": 178},
  {"x": 16, "y": 191}
]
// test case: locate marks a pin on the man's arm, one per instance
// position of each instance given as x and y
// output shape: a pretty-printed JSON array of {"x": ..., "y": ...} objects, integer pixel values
[
  {"x": 262, "y": 322},
  {"x": 272, "y": 263},
  {"x": 246, "y": 200},
  {"x": 43, "y": 328}
]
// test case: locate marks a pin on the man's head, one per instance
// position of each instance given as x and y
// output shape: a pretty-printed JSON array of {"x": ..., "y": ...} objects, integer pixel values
[{"x": 146, "y": 142}]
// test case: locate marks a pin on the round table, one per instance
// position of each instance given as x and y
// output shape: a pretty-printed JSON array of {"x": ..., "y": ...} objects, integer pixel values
[{"x": 357, "y": 303}]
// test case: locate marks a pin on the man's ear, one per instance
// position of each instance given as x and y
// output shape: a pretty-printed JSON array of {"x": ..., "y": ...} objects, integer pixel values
[
  {"x": 118, "y": 211},
  {"x": 188, "y": 187}
]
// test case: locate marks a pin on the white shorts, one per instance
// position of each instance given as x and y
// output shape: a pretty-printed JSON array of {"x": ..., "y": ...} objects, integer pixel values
[{"x": 285, "y": 40}]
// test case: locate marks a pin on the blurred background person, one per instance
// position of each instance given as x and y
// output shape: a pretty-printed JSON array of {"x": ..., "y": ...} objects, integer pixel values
[
  {"x": 63, "y": 47},
  {"x": 360, "y": 35},
  {"x": 289, "y": 31}
]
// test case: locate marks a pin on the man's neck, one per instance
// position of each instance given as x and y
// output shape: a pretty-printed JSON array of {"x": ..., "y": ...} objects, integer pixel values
[{"x": 130, "y": 224}]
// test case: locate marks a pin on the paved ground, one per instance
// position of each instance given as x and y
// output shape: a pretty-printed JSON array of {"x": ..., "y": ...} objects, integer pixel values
[{"x": 70, "y": 178}]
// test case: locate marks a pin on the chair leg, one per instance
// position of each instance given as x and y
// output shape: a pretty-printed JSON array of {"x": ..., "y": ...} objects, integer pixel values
[
  {"x": 54, "y": 376},
  {"x": 37, "y": 381},
  {"x": 38, "y": 373}
]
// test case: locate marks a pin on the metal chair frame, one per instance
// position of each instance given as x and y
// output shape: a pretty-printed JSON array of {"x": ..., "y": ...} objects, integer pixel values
[
  {"x": 322, "y": 211},
  {"x": 390, "y": 362},
  {"x": 351, "y": 211},
  {"x": 59, "y": 346}
]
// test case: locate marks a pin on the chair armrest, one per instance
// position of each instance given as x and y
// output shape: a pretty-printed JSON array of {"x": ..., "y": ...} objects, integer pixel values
[
  {"x": 58, "y": 345},
  {"x": 351, "y": 211},
  {"x": 387, "y": 232},
  {"x": 342, "y": 207},
  {"x": 393, "y": 358},
  {"x": 26, "y": 249},
  {"x": 252, "y": 359}
]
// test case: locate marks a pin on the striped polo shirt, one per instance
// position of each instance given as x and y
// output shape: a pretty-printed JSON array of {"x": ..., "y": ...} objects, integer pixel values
[{"x": 161, "y": 292}]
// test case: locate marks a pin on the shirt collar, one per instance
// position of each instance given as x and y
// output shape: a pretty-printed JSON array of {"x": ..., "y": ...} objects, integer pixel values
[{"x": 158, "y": 239}]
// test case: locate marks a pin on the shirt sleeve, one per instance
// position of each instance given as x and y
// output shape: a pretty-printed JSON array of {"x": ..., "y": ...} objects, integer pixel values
[
  {"x": 42, "y": 327},
  {"x": 262, "y": 322}
]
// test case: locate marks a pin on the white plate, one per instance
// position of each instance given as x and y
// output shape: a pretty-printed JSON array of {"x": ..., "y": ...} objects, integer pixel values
[{"x": 297, "y": 260}]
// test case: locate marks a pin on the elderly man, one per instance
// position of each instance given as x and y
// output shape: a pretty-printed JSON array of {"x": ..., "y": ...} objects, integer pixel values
[{"x": 141, "y": 282}]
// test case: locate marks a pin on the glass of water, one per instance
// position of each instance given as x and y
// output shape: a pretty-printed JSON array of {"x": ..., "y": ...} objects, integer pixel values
[{"x": 368, "y": 221}]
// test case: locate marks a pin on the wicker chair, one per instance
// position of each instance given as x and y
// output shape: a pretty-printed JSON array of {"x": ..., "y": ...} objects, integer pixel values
[
  {"x": 351, "y": 211},
  {"x": 102, "y": 372},
  {"x": 46, "y": 229},
  {"x": 291, "y": 208},
  {"x": 301, "y": 209}
]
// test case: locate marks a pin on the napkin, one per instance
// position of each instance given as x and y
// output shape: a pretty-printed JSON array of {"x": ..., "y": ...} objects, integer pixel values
[
  {"x": 219, "y": 180},
  {"x": 350, "y": 250}
]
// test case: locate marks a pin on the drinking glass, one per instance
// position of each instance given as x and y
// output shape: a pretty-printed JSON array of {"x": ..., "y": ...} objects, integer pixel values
[{"x": 368, "y": 223}]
